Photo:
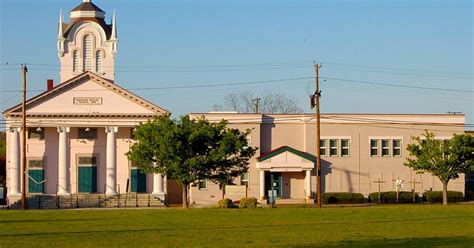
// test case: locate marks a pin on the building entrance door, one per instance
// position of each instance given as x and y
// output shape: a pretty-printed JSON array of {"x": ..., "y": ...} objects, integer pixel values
[
  {"x": 273, "y": 179},
  {"x": 137, "y": 181},
  {"x": 87, "y": 179},
  {"x": 87, "y": 174},
  {"x": 36, "y": 181}
]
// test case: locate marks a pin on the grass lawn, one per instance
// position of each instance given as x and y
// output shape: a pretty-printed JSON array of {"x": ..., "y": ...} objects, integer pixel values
[{"x": 405, "y": 225}]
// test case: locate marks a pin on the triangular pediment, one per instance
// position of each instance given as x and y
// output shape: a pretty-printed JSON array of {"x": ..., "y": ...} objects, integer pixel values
[
  {"x": 88, "y": 94},
  {"x": 286, "y": 153},
  {"x": 285, "y": 158}
]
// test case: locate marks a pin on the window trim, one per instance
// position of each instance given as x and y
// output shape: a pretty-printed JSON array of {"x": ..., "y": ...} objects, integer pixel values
[
  {"x": 348, "y": 148},
  {"x": 374, "y": 148},
  {"x": 397, "y": 148},
  {"x": 242, "y": 180},
  {"x": 96, "y": 155},
  {"x": 29, "y": 159},
  {"x": 325, "y": 148},
  {"x": 332, "y": 148},
  {"x": 387, "y": 148}
]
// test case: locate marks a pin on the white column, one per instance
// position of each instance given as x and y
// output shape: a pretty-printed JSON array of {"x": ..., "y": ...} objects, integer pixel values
[
  {"x": 62, "y": 161},
  {"x": 14, "y": 162},
  {"x": 111, "y": 161},
  {"x": 262, "y": 185},
  {"x": 308, "y": 184},
  {"x": 157, "y": 184}
]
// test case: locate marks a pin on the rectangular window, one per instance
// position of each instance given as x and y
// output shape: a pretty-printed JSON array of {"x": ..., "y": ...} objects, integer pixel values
[
  {"x": 84, "y": 160},
  {"x": 87, "y": 133},
  {"x": 202, "y": 184},
  {"x": 36, "y": 133},
  {"x": 244, "y": 179},
  {"x": 385, "y": 147},
  {"x": 322, "y": 147},
  {"x": 345, "y": 147},
  {"x": 374, "y": 147},
  {"x": 397, "y": 147},
  {"x": 333, "y": 147},
  {"x": 36, "y": 163}
]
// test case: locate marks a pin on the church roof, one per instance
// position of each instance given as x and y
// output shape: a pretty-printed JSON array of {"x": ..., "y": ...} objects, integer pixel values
[
  {"x": 66, "y": 85},
  {"x": 87, "y": 6},
  {"x": 95, "y": 14},
  {"x": 68, "y": 26}
]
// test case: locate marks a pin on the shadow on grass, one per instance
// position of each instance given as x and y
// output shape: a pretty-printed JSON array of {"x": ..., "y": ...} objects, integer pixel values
[
  {"x": 201, "y": 228},
  {"x": 456, "y": 241},
  {"x": 48, "y": 220}
]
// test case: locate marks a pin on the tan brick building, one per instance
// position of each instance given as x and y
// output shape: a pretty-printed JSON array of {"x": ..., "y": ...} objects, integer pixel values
[{"x": 356, "y": 150}]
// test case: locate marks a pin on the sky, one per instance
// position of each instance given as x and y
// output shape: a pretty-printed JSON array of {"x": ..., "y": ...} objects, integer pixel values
[{"x": 185, "y": 56}]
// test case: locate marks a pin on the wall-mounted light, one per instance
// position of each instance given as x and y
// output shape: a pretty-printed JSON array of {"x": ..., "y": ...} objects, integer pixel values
[
  {"x": 39, "y": 129},
  {"x": 87, "y": 129}
]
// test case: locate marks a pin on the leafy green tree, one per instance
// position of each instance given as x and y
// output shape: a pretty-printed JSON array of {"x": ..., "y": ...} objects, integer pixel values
[
  {"x": 445, "y": 159},
  {"x": 189, "y": 150}
]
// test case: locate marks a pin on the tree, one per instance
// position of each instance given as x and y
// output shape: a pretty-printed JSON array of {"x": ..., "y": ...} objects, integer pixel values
[
  {"x": 445, "y": 159},
  {"x": 190, "y": 150},
  {"x": 269, "y": 103}
]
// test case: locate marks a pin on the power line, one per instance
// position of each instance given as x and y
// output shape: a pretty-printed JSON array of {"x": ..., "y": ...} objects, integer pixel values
[
  {"x": 267, "y": 66},
  {"x": 220, "y": 66},
  {"x": 398, "y": 85},
  {"x": 194, "y": 86},
  {"x": 356, "y": 120},
  {"x": 340, "y": 64},
  {"x": 399, "y": 73},
  {"x": 278, "y": 80}
]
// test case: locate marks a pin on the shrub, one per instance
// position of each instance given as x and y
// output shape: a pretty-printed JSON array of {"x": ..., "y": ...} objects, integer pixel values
[
  {"x": 469, "y": 186},
  {"x": 250, "y": 202},
  {"x": 437, "y": 196},
  {"x": 469, "y": 195},
  {"x": 391, "y": 197},
  {"x": 342, "y": 198},
  {"x": 225, "y": 203}
]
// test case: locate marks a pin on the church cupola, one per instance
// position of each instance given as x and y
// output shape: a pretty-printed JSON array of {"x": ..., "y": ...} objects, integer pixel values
[
  {"x": 87, "y": 42},
  {"x": 87, "y": 9}
]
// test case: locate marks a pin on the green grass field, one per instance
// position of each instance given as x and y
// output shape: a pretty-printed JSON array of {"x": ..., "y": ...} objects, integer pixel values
[{"x": 407, "y": 225}]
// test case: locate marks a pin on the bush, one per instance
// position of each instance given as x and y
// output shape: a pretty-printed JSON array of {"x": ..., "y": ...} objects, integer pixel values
[
  {"x": 391, "y": 197},
  {"x": 437, "y": 196},
  {"x": 469, "y": 186},
  {"x": 469, "y": 195},
  {"x": 342, "y": 198},
  {"x": 225, "y": 203},
  {"x": 250, "y": 202}
]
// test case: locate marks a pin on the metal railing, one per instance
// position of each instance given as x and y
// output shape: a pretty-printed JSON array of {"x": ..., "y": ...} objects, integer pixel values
[{"x": 57, "y": 190}]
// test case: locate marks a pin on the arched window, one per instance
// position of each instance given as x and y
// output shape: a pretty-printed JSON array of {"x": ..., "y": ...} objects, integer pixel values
[
  {"x": 98, "y": 61},
  {"x": 75, "y": 61},
  {"x": 87, "y": 52}
]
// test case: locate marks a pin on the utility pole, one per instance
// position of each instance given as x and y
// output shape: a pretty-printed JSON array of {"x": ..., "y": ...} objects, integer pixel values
[
  {"x": 23, "y": 145},
  {"x": 314, "y": 102},
  {"x": 257, "y": 101}
]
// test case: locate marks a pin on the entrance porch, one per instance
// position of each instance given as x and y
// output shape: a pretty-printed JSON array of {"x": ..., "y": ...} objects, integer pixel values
[{"x": 288, "y": 172}]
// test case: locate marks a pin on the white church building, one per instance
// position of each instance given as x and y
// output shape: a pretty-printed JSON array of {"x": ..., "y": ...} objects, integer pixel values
[{"x": 79, "y": 130}]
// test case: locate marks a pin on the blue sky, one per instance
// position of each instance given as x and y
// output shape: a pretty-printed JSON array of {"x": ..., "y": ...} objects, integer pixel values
[{"x": 179, "y": 43}]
